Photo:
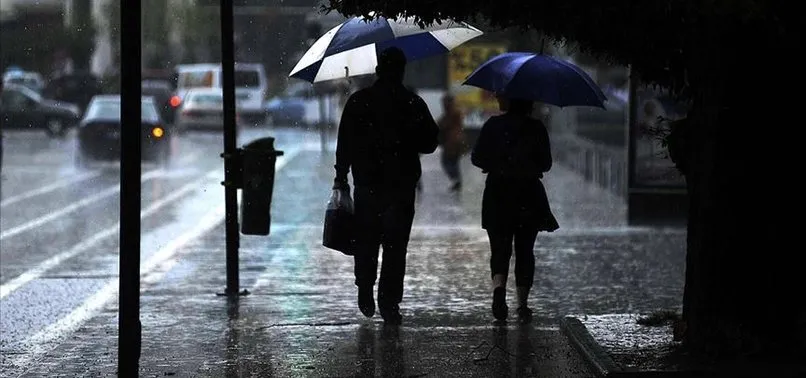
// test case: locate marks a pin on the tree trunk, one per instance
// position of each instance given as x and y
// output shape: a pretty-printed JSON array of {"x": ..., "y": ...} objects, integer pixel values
[{"x": 743, "y": 294}]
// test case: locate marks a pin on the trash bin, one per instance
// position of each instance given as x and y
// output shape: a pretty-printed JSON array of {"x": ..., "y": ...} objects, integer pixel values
[{"x": 258, "y": 159}]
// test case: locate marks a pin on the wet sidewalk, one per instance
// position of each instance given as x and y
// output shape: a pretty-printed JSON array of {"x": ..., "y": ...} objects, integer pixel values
[{"x": 301, "y": 320}]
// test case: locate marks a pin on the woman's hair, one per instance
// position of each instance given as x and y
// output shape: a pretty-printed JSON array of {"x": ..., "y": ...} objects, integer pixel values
[{"x": 521, "y": 106}]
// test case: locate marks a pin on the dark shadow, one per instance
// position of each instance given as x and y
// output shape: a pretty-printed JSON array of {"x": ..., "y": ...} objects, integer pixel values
[
  {"x": 365, "y": 347},
  {"x": 496, "y": 354},
  {"x": 231, "y": 355},
  {"x": 505, "y": 358},
  {"x": 524, "y": 353},
  {"x": 392, "y": 353}
]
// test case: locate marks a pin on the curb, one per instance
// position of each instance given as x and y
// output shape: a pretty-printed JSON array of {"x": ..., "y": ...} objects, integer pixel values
[
  {"x": 593, "y": 353},
  {"x": 604, "y": 366}
]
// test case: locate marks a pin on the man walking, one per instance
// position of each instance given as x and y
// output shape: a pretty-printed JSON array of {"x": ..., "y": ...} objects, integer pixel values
[{"x": 383, "y": 130}]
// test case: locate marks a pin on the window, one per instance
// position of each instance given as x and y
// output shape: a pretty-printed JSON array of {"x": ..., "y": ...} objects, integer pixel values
[
  {"x": 149, "y": 112},
  {"x": 156, "y": 84},
  {"x": 207, "y": 99},
  {"x": 110, "y": 109},
  {"x": 104, "y": 110},
  {"x": 248, "y": 79},
  {"x": 197, "y": 79}
]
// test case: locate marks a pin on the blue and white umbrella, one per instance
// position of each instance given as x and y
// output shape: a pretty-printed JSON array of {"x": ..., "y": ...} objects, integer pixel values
[{"x": 352, "y": 48}]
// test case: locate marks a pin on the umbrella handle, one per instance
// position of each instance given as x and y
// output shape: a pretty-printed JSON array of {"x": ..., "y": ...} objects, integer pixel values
[{"x": 347, "y": 75}]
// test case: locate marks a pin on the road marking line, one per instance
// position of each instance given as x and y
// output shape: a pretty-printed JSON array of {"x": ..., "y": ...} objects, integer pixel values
[
  {"x": 34, "y": 273},
  {"x": 31, "y": 274},
  {"x": 97, "y": 301},
  {"x": 51, "y": 187},
  {"x": 73, "y": 207},
  {"x": 165, "y": 264},
  {"x": 165, "y": 258}
]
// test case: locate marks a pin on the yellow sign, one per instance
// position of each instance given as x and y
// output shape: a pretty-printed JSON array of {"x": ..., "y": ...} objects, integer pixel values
[{"x": 462, "y": 61}]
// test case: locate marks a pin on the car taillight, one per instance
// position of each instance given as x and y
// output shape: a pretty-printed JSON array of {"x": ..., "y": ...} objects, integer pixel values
[{"x": 175, "y": 101}]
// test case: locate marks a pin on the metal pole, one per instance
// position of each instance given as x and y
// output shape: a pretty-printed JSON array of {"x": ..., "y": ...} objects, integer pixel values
[
  {"x": 129, "y": 327},
  {"x": 230, "y": 146}
]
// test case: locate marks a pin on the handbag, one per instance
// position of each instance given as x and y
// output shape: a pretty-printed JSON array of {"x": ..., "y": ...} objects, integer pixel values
[{"x": 339, "y": 227}]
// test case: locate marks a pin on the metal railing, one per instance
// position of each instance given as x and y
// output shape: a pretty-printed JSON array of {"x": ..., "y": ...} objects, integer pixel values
[{"x": 600, "y": 164}]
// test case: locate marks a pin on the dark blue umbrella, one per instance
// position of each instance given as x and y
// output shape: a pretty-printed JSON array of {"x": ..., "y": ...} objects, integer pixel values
[{"x": 537, "y": 77}]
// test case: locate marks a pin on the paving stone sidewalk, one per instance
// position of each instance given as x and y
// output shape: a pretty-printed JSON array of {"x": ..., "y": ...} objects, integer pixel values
[{"x": 300, "y": 319}]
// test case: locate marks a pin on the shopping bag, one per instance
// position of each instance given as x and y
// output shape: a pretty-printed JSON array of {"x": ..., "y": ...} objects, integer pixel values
[{"x": 339, "y": 230}]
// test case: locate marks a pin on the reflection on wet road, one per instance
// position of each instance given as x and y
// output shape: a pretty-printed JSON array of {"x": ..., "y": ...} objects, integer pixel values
[
  {"x": 59, "y": 265},
  {"x": 59, "y": 224}
]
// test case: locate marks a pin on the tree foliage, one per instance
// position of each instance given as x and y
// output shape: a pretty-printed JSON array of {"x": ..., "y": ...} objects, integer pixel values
[
  {"x": 30, "y": 47},
  {"x": 200, "y": 30},
  {"x": 664, "y": 40}
]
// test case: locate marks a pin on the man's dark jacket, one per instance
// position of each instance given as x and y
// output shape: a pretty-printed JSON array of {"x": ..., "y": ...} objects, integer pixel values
[{"x": 383, "y": 130}]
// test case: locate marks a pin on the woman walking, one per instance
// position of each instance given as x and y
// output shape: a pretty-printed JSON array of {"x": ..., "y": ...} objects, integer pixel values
[{"x": 513, "y": 149}]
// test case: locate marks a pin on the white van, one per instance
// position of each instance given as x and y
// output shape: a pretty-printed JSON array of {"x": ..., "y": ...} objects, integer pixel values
[{"x": 251, "y": 86}]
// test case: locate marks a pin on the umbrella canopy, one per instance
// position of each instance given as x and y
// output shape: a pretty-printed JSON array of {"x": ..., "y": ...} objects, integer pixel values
[
  {"x": 352, "y": 48},
  {"x": 537, "y": 77}
]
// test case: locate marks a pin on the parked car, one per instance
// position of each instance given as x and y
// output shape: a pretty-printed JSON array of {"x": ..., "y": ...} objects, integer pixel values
[
  {"x": 202, "y": 109},
  {"x": 22, "y": 108},
  {"x": 300, "y": 105},
  {"x": 289, "y": 108},
  {"x": 98, "y": 136},
  {"x": 32, "y": 80},
  {"x": 251, "y": 85}
]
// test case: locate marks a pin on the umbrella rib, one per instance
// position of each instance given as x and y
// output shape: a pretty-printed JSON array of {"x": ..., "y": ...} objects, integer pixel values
[
  {"x": 597, "y": 91},
  {"x": 519, "y": 63},
  {"x": 558, "y": 76}
]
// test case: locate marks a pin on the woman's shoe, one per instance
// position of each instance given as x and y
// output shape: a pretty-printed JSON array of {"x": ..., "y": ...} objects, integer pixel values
[
  {"x": 500, "y": 309},
  {"x": 391, "y": 315},
  {"x": 524, "y": 314}
]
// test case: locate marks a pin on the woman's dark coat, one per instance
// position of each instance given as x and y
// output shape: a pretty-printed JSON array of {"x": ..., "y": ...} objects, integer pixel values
[{"x": 514, "y": 151}]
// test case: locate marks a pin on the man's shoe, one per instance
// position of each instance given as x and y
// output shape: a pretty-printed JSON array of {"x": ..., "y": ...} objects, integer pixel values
[
  {"x": 525, "y": 315},
  {"x": 500, "y": 309},
  {"x": 391, "y": 315},
  {"x": 366, "y": 302}
]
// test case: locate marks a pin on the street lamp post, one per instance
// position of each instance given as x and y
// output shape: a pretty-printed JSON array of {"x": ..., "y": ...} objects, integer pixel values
[
  {"x": 230, "y": 155},
  {"x": 129, "y": 327}
]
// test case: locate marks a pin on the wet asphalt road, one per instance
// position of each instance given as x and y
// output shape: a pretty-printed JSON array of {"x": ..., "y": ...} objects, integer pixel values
[
  {"x": 59, "y": 222},
  {"x": 59, "y": 253}
]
